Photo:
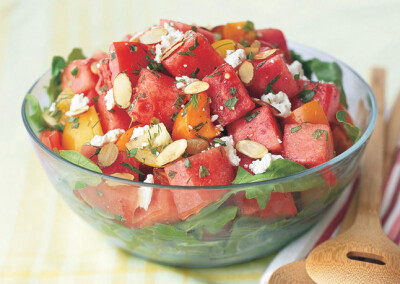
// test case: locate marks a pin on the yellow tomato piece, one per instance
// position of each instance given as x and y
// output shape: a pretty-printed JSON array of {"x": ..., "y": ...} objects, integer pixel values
[
  {"x": 223, "y": 45},
  {"x": 242, "y": 32},
  {"x": 81, "y": 131}
]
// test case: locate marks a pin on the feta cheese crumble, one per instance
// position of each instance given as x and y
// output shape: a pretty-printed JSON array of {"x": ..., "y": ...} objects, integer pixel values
[
  {"x": 296, "y": 68},
  {"x": 110, "y": 137},
  {"x": 52, "y": 107},
  {"x": 167, "y": 40},
  {"x": 214, "y": 117},
  {"x": 139, "y": 131},
  {"x": 79, "y": 101},
  {"x": 235, "y": 57},
  {"x": 109, "y": 98},
  {"x": 231, "y": 150},
  {"x": 182, "y": 82},
  {"x": 279, "y": 101},
  {"x": 259, "y": 166},
  {"x": 145, "y": 193}
]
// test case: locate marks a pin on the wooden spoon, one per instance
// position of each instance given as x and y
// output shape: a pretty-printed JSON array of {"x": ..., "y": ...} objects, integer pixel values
[{"x": 362, "y": 254}]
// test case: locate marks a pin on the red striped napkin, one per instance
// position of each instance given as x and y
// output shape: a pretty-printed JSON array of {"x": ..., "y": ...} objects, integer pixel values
[{"x": 328, "y": 226}]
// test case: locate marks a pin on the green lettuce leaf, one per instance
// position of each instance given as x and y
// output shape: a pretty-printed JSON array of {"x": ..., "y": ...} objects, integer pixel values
[
  {"x": 80, "y": 160},
  {"x": 34, "y": 114}
]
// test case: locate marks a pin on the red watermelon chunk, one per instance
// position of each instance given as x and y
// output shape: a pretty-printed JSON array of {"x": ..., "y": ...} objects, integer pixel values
[
  {"x": 161, "y": 210},
  {"x": 116, "y": 118},
  {"x": 104, "y": 83},
  {"x": 196, "y": 58},
  {"x": 155, "y": 96},
  {"x": 263, "y": 129},
  {"x": 245, "y": 162},
  {"x": 184, "y": 28},
  {"x": 327, "y": 94},
  {"x": 269, "y": 69},
  {"x": 130, "y": 58},
  {"x": 280, "y": 205},
  {"x": 229, "y": 98},
  {"x": 119, "y": 202},
  {"x": 308, "y": 144},
  {"x": 209, "y": 168},
  {"x": 277, "y": 39}
]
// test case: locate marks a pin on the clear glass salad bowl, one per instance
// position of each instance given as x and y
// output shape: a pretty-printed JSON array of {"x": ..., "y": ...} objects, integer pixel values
[{"x": 217, "y": 235}]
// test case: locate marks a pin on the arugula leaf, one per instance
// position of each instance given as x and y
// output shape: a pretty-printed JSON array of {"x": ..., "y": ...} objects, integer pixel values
[
  {"x": 306, "y": 95},
  {"x": 80, "y": 160},
  {"x": 34, "y": 114},
  {"x": 352, "y": 131}
]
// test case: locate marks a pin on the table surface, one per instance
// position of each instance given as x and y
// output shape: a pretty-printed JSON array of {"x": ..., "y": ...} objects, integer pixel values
[{"x": 44, "y": 241}]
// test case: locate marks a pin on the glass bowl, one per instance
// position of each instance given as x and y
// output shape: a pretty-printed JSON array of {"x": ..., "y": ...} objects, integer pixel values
[{"x": 206, "y": 239}]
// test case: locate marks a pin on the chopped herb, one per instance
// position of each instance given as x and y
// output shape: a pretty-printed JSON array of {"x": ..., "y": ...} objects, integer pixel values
[
  {"x": 194, "y": 73},
  {"x": 153, "y": 65},
  {"x": 219, "y": 141},
  {"x": 195, "y": 101},
  {"x": 185, "y": 155},
  {"x": 95, "y": 99},
  {"x": 152, "y": 51},
  {"x": 297, "y": 76},
  {"x": 193, "y": 47},
  {"x": 207, "y": 101},
  {"x": 187, "y": 163},
  {"x": 179, "y": 81},
  {"x": 251, "y": 116},
  {"x": 201, "y": 137},
  {"x": 129, "y": 166},
  {"x": 74, "y": 121},
  {"x": 179, "y": 100},
  {"x": 141, "y": 80},
  {"x": 131, "y": 153},
  {"x": 268, "y": 89},
  {"x": 60, "y": 127},
  {"x": 187, "y": 53},
  {"x": 113, "y": 55},
  {"x": 174, "y": 116},
  {"x": 189, "y": 179},
  {"x": 95, "y": 152},
  {"x": 74, "y": 71},
  {"x": 306, "y": 95},
  {"x": 295, "y": 129},
  {"x": 185, "y": 110},
  {"x": 216, "y": 74},
  {"x": 249, "y": 26},
  {"x": 132, "y": 48},
  {"x": 231, "y": 102},
  {"x": 199, "y": 126},
  {"x": 233, "y": 91},
  {"x": 250, "y": 56},
  {"x": 194, "y": 28},
  {"x": 131, "y": 106},
  {"x": 120, "y": 218},
  {"x": 103, "y": 88},
  {"x": 261, "y": 64},
  {"x": 143, "y": 95},
  {"x": 96, "y": 123},
  {"x": 172, "y": 174},
  {"x": 245, "y": 42},
  {"x": 154, "y": 151},
  {"x": 204, "y": 172},
  {"x": 317, "y": 133},
  {"x": 99, "y": 193}
]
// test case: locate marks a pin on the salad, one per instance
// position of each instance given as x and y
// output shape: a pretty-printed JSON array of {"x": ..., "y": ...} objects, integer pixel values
[{"x": 184, "y": 105}]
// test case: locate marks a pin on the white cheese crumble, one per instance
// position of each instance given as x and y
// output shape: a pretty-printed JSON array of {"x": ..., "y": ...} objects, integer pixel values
[
  {"x": 214, "y": 117},
  {"x": 182, "y": 82},
  {"x": 235, "y": 57},
  {"x": 144, "y": 144},
  {"x": 109, "y": 98},
  {"x": 52, "y": 107},
  {"x": 110, "y": 137},
  {"x": 145, "y": 193},
  {"x": 221, "y": 108},
  {"x": 139, "y": 131},
  {"x": 296, "y": 68},
  {"x": 220, "y": 127},
  {"x": 78, "y": 102},
  {"x": 259, "y": 166},
  {"x": 231, "y": 150},
  {"x": 167, "y": 40},
  {"x": 279, "y": 101}
]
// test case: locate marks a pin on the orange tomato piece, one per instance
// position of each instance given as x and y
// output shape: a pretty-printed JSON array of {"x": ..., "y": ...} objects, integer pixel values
[
  {"x": 242, "y": 32},
  {"x": 311, "y": 112},
  {"x": 126, "y": 137},
  {"x": 194, "y": 120}
]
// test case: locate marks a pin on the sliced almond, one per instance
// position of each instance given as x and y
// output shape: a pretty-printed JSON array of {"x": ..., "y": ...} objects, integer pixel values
[
  {"x": 171, "y": 49},
  {"x": 256, "y": 44},
  {"x": 196, "y": 87},
  {"x": 153, "y": 36},
  {"x": 239, "y": 46},
  {"x": 94, "y": 67},
  {"x": 274, "y": 110},
  {"x": 107, "y": 155},
  {"x": 122, "y": 90},
  {"x": 196, "y": 145},
  {"x": 119, "y": 175},
  {"x": 77, "y": 111},
  {"x": 246, "y": 73},
  {"x": 251, "y": 149},
  {"x": 49, "y": 119},
  {"x": 264, "y": 54},
  {"x": 172, "y": 152},
  {"x": 253, "y": 50}
]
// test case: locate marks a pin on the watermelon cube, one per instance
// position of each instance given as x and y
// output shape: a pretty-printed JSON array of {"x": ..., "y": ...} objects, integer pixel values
[
  {"x": 277, "y": 39},
  {"x": 274, "y": 73},
  {"x": 229, "y": 98},
  {"x": 327, "y": 94},
  {"x": 260, "y": 126},
  {"x": 104, "y": 83},
  {"x": 116, "y": 118},
  {"x": 308, "y": 144},
  {"x": 196, "y": 58}
]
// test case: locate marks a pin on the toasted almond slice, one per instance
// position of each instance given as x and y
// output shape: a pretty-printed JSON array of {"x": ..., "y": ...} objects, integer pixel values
[
  {"x": 122, "y": 90},
  {"x": 94, "y": 67},
  {"x": 153, "y": 36},
  {"x": 251, "y": 149},
  {"x": 172, "y": 152},
  {"x": 78, "y": 111},
  {"x": 253, "y": 50},
  {"x": 196, "y": 145},
  {"x": 171, "y": 49},
  {"x": 119, "y": 175},
  {"x": 274, "y": 110},
  {"x": 107, "y": 155},
  {"x": 256, "y": 44},
  {"x": 196, "y": 87},
  {"x": 264, "y": 54},
  {"x": 239, "y": 46},
  {"x": 50, "y": 120},
  {"x": 246, "y": 73}
]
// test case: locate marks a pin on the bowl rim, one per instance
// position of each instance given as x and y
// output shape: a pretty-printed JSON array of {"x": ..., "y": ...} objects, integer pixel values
[{"x": 363, "y": 139}]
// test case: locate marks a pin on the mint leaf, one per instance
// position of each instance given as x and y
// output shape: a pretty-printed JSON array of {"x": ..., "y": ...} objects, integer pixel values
[
  {"x": 34, "y": 113},
  {"x": 352, "y": 131},
  {"x": 80, "y": 160},
  {"x": 306, "y": 95}
]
